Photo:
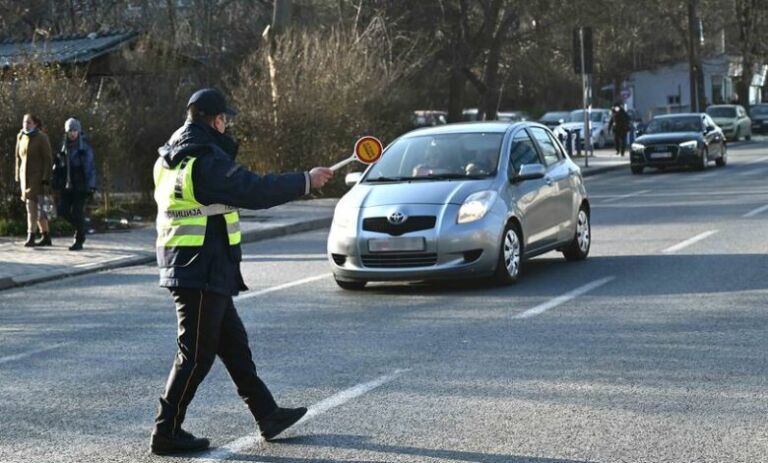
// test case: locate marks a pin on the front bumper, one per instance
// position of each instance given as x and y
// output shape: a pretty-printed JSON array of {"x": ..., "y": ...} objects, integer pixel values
[
  {"x": 760, "y": 125},
  {"x": 652, "y": 156},
  {"x": 451, "y": 250}
]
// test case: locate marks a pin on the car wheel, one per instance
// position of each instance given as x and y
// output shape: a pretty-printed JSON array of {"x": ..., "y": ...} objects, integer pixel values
[
  {"x": 351, "y": 285},
  {"x": 601, "y": 141},
  {"x": 578, "y": 249},
  {"x": 704, "y": 160},
  {"x": 510, "y": 256},
  {"x": 637, "y": 170},
  {"x": 723, "y": 159}
]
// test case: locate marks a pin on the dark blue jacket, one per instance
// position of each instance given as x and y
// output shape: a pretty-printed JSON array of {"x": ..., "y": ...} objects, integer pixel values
[
  {"x": 73, "y": 167},
  {"x": 218, "y": 179}
]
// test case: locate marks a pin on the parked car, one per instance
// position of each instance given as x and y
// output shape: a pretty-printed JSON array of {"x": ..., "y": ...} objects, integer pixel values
[
  {"x": 732, "y": 119},
  {"x": 598, "y": 119},
  {"x": 554, "y": 118},
  {"x": 759, "y": 115},
  {"x": 428, "y": 118},
  {"x": 458, "y": 201},
  {"x": 688, "y": 139}
]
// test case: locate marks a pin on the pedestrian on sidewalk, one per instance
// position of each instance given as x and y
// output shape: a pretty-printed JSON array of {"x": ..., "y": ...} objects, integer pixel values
[
  {"x": 74, "y": 178},
  {"x": 620, "y": 123},
  {"x": 33, "y": 174},
  {"x": 198, "y": 188}
]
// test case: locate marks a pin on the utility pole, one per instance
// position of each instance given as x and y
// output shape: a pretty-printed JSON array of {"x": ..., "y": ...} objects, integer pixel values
[{"x": 695, "y": 72}]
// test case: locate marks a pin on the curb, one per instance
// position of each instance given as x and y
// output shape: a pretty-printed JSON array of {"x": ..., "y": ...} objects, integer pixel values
[
  {"x": 590, "y": 171},
  {"x": 146, "y": 258}
]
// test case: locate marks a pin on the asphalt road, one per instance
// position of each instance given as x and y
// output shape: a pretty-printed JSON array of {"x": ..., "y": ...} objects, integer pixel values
[{"x": 652, "y": 350}]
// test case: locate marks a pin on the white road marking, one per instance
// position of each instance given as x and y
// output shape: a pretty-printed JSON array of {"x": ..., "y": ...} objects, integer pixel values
[
  {"x": 281, "y": 287},
  {"x": 340, "y": 398},
  {"x": 754, "y": 212},
  {"x": 560, "y": 300},
  {"x": 29, "y": 353},
  {"x": 284, "y": 256},
  {"x": 689, "y": 241},
  {"x": 629, "y": 195}
]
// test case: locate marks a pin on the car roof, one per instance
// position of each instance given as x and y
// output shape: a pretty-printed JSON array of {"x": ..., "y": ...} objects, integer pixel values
[
  {"x": 466, "y": 127},
  {"x": 667, "y": 116},
  {"x": 722, "y": 106}
]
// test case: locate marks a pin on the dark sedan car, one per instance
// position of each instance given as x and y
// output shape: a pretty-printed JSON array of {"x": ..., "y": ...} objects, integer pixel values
[
  {"x": 759, "y": 115},
  {"x": 691, "y": 139}
]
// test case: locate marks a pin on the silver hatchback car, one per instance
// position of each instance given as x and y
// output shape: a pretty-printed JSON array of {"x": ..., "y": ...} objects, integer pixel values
[{"x": 459, "y": 201}]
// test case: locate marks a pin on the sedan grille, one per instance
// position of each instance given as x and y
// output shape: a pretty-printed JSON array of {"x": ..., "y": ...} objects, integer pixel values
[
  {"x": 399, "y": 260},
  {"x": 412, "y": 224}
]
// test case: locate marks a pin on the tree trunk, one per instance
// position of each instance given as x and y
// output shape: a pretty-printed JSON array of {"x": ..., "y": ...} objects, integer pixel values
[{"x": 456, "y": 89}]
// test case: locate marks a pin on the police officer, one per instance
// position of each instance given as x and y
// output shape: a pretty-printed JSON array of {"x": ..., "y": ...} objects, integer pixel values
[{"x": 198, "y": 188}]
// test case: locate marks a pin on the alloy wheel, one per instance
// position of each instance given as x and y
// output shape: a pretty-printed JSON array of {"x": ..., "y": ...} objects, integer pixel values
[
  {"x": 582, "y": 231},
  {"x": 512, "y": 253}
]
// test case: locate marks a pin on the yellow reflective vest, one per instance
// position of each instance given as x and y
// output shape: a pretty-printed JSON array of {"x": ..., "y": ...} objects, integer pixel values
[{"x": 181, "y": 219}]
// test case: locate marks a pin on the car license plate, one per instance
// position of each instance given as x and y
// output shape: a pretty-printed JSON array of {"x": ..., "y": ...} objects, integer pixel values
[
  {"x": 661, "y": 155},
  {"x": 396, "y": 244}
]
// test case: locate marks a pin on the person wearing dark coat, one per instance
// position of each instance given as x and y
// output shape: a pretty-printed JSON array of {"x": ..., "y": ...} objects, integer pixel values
[
  {"x": 198, "y": 188},
  {"x": 74, "y": 178},
  {"x": 33, "y": 173},
  {"x": 620, "y": 123}
]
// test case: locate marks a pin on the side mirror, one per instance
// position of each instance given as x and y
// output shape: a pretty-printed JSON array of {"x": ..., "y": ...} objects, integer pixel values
[
  {"x": 529, "y": 172},
  {"x": 353, "y": 178},
  {"x": 640, "y": 131},
  {"x": 708, "y": 129}
]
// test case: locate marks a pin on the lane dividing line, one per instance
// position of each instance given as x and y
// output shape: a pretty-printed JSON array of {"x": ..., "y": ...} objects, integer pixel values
[
  {"x": 280, "y": 287},
  {"x": 560, "y": 300},
  {"x": 13, "y": 358},
  {"x": 629, "y": 195},
  {"x": 754, "y": 212},
  {"x": 338, "y": 399},
  {"x": 689, "y": 241}
]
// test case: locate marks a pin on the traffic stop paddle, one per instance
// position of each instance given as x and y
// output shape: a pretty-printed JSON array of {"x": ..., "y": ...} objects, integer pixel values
[{"x": 368, "y": 150}]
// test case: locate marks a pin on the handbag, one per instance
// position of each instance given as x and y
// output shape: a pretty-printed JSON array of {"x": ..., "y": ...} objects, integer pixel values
[{"x": 46, "y": 208}]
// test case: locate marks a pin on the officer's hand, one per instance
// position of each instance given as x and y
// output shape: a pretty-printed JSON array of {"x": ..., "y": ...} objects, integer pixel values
[{"x": 319, "y": 176}]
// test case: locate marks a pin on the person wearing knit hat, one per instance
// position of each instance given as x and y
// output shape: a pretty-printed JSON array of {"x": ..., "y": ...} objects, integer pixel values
[{"x": 75, "y": 177}]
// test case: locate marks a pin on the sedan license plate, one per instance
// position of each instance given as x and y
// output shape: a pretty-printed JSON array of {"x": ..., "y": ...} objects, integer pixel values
[
  {"x": 661, "y": 155},
  {"x": 396, "y": 244}
]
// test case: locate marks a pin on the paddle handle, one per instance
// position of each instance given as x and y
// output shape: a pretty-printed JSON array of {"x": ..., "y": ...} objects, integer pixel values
[{"x": 343, "y": 163}]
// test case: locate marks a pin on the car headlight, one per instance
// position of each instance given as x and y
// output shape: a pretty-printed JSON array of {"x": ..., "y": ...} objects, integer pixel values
[
  {"x": 639, "y": 147},
  {"x": 345, "y": 217},
  {"x": 689, "y": 145},
  {"x": 476, "y": 206}
]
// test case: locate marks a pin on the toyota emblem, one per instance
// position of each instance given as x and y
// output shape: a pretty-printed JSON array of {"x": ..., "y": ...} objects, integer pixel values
[{"x": 397, "y": 218}]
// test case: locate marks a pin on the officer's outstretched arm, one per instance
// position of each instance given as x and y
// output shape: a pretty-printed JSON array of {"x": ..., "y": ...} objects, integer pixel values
[{"x": 220, "y": 181}]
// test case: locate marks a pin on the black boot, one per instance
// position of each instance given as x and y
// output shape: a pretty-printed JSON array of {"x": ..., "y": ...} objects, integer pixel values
[
  {"x": 79, "y": 240},
  {"x": 279, "y": 420},
  {"x": 181, "y": 442},
  {"x": 45, "y": 240},
  {"x": 30, "y": 243}
]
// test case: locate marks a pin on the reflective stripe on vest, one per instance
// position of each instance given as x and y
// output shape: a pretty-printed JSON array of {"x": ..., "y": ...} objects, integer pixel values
[{"x": 181, "y": 219}]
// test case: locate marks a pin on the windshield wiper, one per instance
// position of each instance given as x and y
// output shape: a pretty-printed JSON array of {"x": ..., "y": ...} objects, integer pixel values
[
  {"x": 453, "y": 177},
  {"x": 388, "y": 179}
]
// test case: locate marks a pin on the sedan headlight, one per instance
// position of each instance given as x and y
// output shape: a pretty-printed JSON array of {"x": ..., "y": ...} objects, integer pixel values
[
  {"x": 689, "y": 145},
  {"x": 345, "y": 217},
  {"x": 476, "y": 206},
  {"x": 638, "y": 147}
]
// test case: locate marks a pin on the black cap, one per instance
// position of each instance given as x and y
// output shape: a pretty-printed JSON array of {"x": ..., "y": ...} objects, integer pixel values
[{"x": 210, "y": 102}]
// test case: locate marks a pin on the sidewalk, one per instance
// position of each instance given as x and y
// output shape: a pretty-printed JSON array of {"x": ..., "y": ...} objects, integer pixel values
[
  {"x": 20, "y": 266},
  {"x": 603, "y": 160}
]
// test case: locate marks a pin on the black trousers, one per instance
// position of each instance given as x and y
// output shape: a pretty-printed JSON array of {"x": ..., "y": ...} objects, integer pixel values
[
  {"x": 208, "y": 325},
  {"x": 620, "y": 140},
  {"x": 72, "y": 208}
]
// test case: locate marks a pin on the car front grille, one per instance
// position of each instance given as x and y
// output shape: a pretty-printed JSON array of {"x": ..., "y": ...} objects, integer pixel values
[
  {"x": 399, "y": 260},
  {"x": 412, "y": 224}
]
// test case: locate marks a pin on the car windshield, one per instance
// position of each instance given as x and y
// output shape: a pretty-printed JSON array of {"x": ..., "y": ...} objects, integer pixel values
[
  {"x": 759, "y": 110},
  {"x": 578, "y": 116},
  {"x": 674, "y": 124},
  {"x": 554, "y": 117},
  {"x": 722, "y": 112},
  {"x": 439, "y": 157}
]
